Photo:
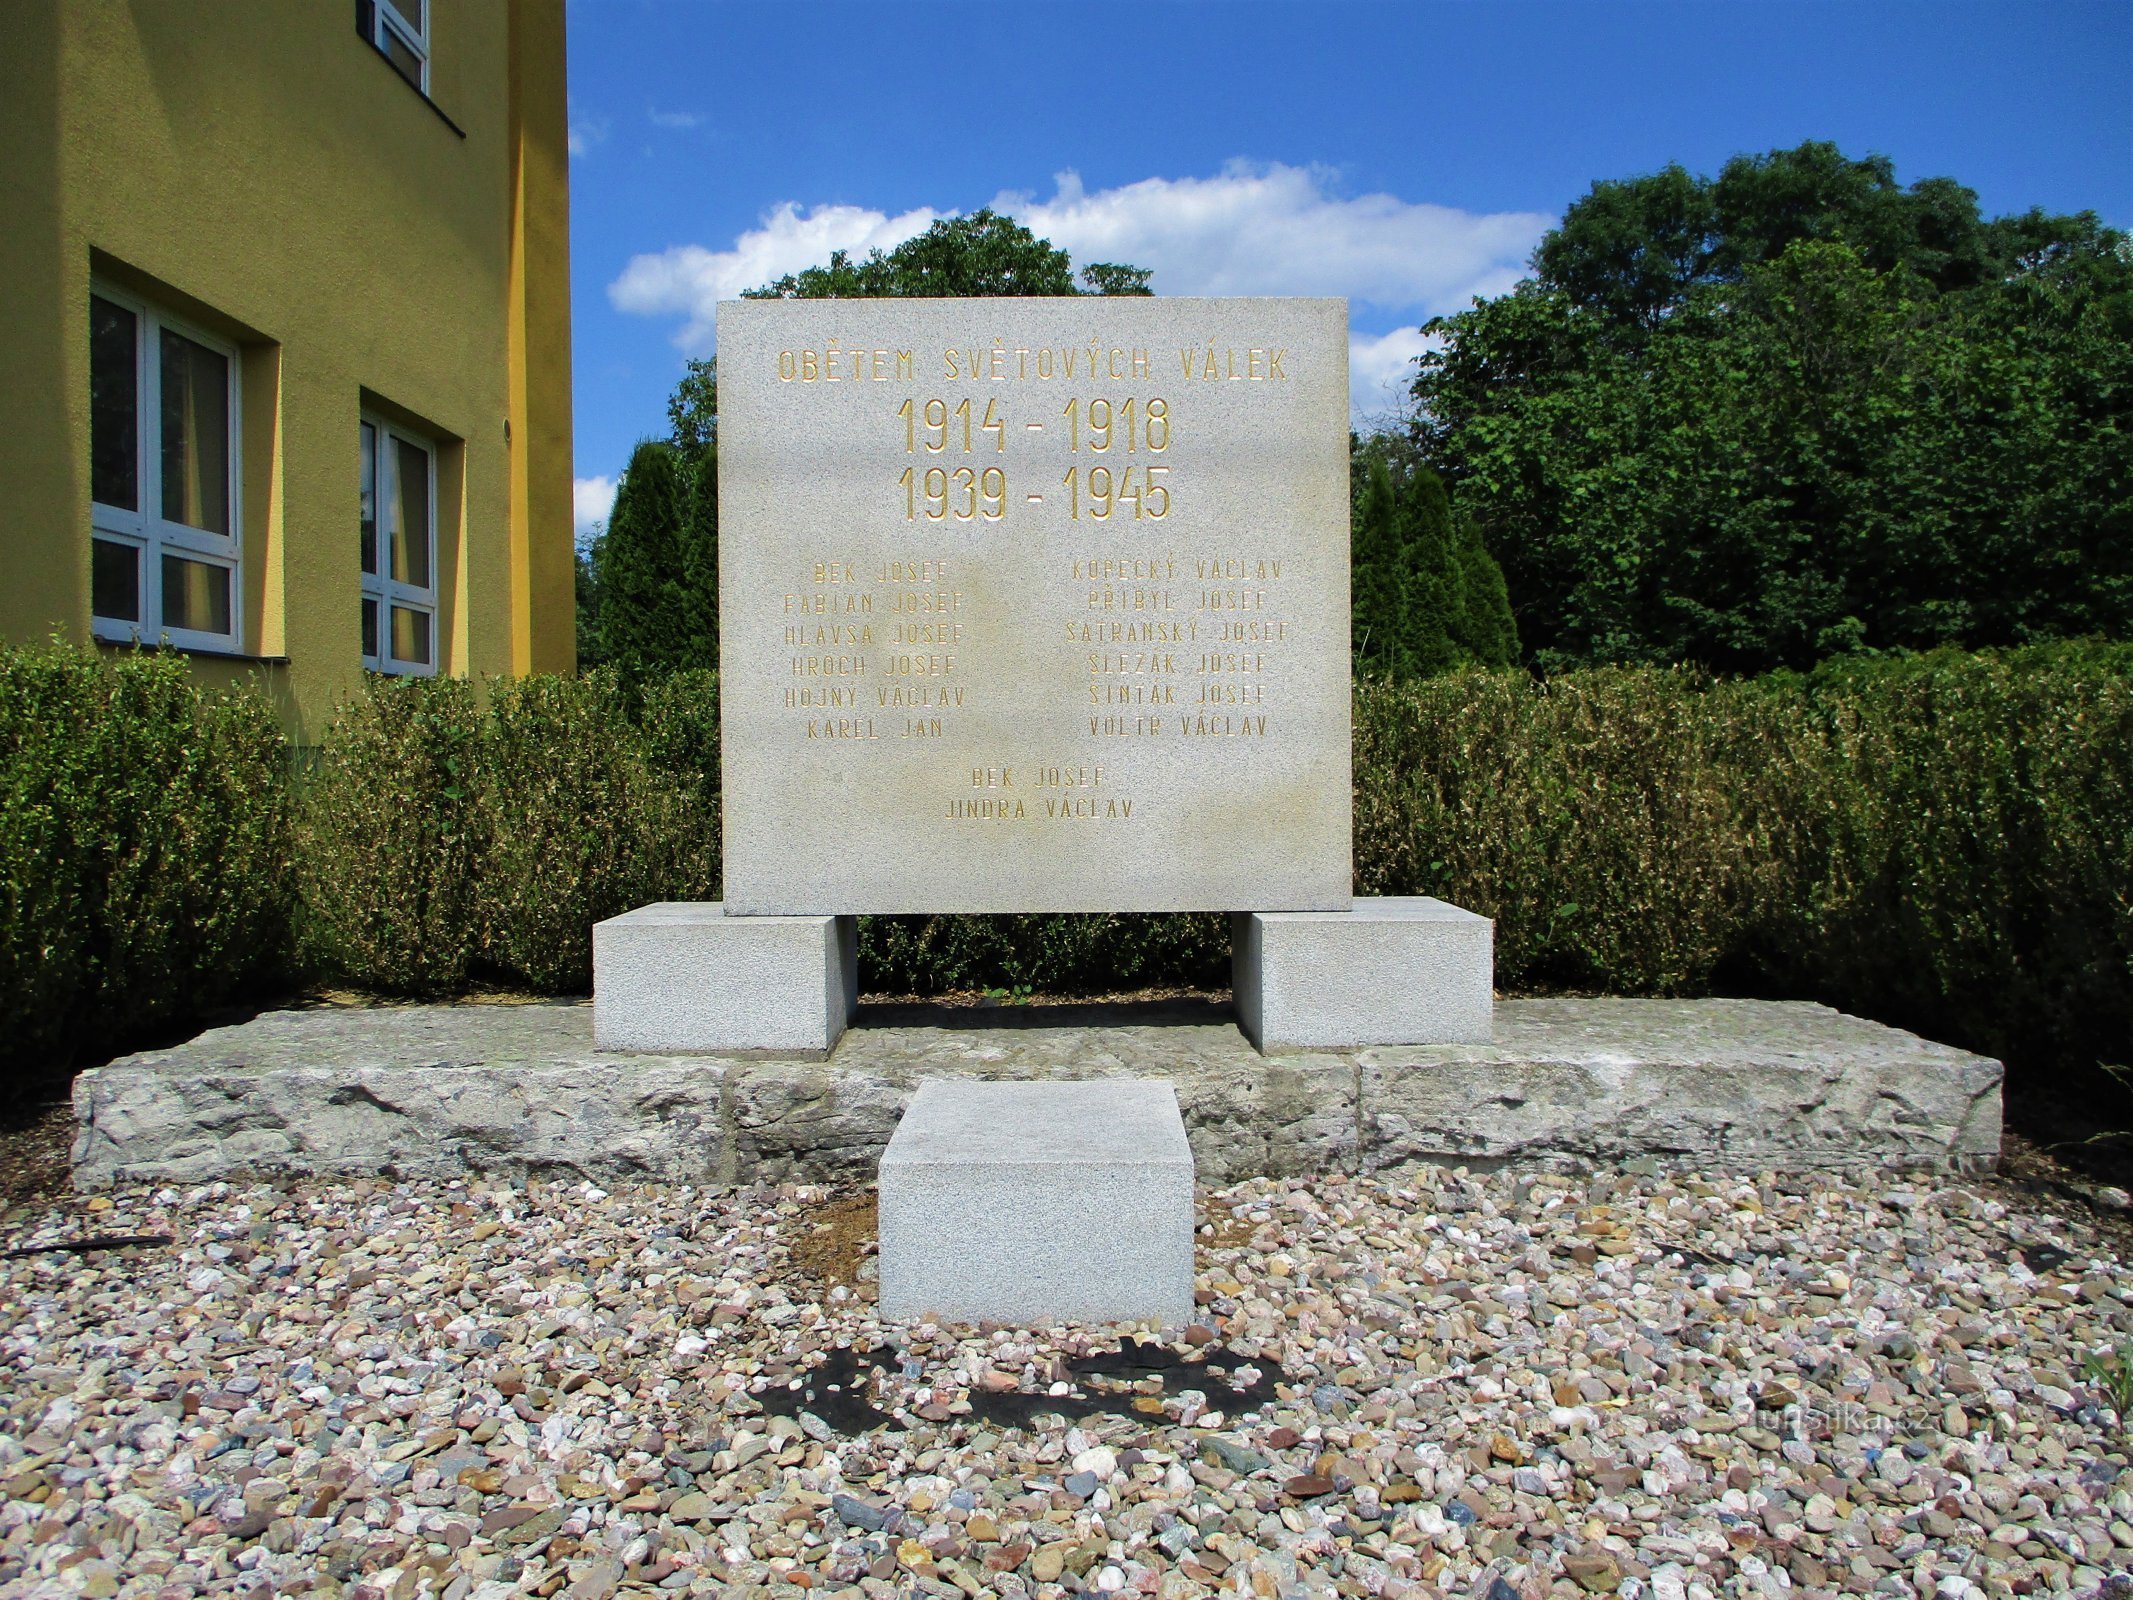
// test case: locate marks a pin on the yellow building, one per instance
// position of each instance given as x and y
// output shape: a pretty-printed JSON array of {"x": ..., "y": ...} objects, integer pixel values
[{"x": 287, "y": 344}]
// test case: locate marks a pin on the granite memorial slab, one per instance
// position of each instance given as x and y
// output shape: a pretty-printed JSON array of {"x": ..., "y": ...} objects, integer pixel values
[{"x": 1034, "y": 605}]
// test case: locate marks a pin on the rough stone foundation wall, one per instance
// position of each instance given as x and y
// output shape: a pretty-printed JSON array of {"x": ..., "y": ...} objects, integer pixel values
[{"x": 445, "y": 1091}]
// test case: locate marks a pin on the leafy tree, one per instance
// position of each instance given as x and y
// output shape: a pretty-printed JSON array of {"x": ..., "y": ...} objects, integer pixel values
[
  {"x": 1108, "y": 277},
  {"x": 981, "y": 254},
  {"x": 1796, "y": 410},
  {"x": 692, "y": 410}
]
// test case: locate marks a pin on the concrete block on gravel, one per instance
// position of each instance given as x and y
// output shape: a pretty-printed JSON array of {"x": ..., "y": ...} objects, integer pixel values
[{"x": 1038, "y": 1203}]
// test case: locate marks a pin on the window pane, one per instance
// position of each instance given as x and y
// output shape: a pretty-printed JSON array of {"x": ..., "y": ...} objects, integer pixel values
[
  {"x": 410, "y": 13},
  {"x": 411, "y": 636},
  {"x": 411, "y": 523},
  {"x": 196, "y": 434},
  {"x": 405, "y": 61},
  {"x": 370, "y": 629},
  {"x": 114, "y": 406},
  {"x": 115, "y": 580},
  {"x": 195, "y": 595},
  {"x": 369, "y": 512}
]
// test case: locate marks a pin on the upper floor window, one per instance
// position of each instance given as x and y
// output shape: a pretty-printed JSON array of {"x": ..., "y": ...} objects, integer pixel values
[
  {"x": 400, "y": 29},
  {"x": 164, "y": 545},
  {"x": 399, "y": 549}
]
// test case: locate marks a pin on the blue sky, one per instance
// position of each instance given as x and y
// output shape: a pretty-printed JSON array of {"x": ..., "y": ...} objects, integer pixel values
[{"x": 1406, "y": 155}]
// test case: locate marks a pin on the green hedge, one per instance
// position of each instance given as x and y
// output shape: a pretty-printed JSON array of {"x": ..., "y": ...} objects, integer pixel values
[
  {"x": 446, "y": 841},
  {"x": 146, "y": 853},
  {"x": 1943, "y": 841}
]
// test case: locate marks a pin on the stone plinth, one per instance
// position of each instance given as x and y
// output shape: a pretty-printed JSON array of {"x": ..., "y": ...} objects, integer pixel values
[
  {"x": 682, "y": 976},
  {"x": 1038, "y": 1203},
  {"x": 447, "y": 1091},
  {"x": 1389, "y": 971}
]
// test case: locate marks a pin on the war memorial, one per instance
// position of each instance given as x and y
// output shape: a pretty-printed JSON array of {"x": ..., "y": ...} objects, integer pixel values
[{"x": 1036, "y": 605}]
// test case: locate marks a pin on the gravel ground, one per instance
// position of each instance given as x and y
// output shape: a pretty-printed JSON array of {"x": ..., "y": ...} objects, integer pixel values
[{"x": 1495, "y": 1386}]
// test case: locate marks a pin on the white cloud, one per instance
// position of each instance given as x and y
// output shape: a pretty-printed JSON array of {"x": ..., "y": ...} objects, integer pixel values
[
  {"x": 689, "y": 281},
  {"x": 1272, "y": 230},
  {"x": 585, "y": 130},
  {"x": 1283, "y": 230},
  {"x": 591, "y": 501},
  {"x": 675, "y": 119},
  {"x": 1380, "y": 368}
]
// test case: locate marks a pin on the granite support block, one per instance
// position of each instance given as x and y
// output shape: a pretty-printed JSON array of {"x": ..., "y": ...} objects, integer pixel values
[
  {"x": 1389, "y": 971},
  {"x": 684, "y": 977},
  {"x": 1038, "y": 1203}
]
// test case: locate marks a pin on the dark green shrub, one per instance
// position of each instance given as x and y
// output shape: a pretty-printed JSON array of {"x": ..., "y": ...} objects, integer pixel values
[
  {"x": 145, "y": 850},
  {"x": 578, "y": 825},
  {"x": 1054, "y": 954},
  {"x": 678, "y": 720},
  {"x": 1977, "y": 877},
  {"x": 1942, "y": 841},
  {"x": 1606, "y": 820},
  {"x": 393, "y": 839},
  {"x": 447, "y": 842}
]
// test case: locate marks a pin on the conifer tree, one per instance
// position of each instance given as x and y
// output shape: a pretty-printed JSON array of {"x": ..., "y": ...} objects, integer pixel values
[
  {"x": 699, "y": 552},
  {"x": 1487, "y": 630},
  {"x": 1374, "y": 587},
  {"x": 649, "y": 620},
  {"x": 1430, "y": 582}
]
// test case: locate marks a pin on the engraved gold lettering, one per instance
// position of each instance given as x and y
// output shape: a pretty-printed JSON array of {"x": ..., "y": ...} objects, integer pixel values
[
  {"x": 912, "y": 572},
  {"x": 1133, "y": 694},
  {"x": 912, "y": 664},
  {"x": 1070, "y": 777},
  {"x": 859, "y": 728},
  {"x": 1202, "y": 726}
]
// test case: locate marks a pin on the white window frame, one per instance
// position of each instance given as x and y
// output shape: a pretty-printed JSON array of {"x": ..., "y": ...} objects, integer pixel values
[
  {"x": 386, "y": 21},
  {"x": 380, "y": 586},
  {"x": 145, "y": 528}
]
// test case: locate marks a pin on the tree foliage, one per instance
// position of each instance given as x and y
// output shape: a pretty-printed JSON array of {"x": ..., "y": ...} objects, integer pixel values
[
  {"x": 1795, "y": 410},
  {"x": 982, "y": 254}
]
